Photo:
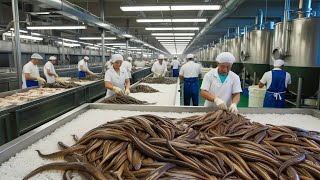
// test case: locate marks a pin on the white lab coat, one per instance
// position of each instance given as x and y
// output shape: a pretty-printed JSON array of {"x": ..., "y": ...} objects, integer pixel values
[
  {"x": 159, "y": 68},
  {"x": 127, "y": 66},
  {"x": 49, "y": 66},
  {"x": 84, "y": 64},
  {"x": 190, "y": 70},
  {"x": 30, "y": 68},
  {"x": 116, "y": 79},
  {"x": 212, "y": 83},
  {"x": 175, "y": 64},
  {"x": 108, "y": 65},
  {"x": 267, "y": 78}
]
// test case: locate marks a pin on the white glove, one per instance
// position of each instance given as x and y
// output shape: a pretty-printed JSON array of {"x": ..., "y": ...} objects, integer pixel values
[
  {"x": 127, "y": 92},
  {"x": 56, "y": 75},
  {"x": 90, "y": 72},
  {"x": 220, "y": 103},
  {"x": 156, "y": 73},
  {"x": 117, "y": 90},
  {"x": 41, "y": 80},
  {"x": 163, "y": 74},
  {"x": 233, "y": 108}
]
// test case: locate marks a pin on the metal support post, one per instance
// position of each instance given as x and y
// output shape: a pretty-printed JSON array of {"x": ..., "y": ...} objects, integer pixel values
[
  {"x": 142, "y": 53},
  {"x": 127, "y": 46},
  {"x": 244, "y": 78},
  {"x": 299, "y": 93},
  {"x": 102, "y": 34},
  {"x": 254, "y": 78},
  {"x": 318, "y": 102},
  {"x": 17, "y": 49}
]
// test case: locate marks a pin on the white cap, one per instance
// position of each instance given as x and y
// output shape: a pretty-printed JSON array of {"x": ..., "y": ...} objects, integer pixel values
[
  {"x": 190, "y": 56},
  {"x": 278, "y": 63},
  {"x": 52, "y": 58},
  {"x": 86, "y": 58},
  {"x": 161, "y": 56},
  {"x": 225, "y": 57},
  {"x": 36, "y": 56},
  {"x": 116, "y": 57},
  {"x": 129, "y": 58}
]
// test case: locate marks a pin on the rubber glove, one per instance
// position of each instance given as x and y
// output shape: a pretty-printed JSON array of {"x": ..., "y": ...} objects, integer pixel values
[
  {"x": 127, "y": 92},
  {"x": 233, "y": 108},
  {"x": 163, "y": 74},
  {"x": 56, "y": 75},
  {"x": 157, "y": 74},
  {"x": 90, "y": 72},
  {"x": 41, "y": 80},
  {"x": 220, "y": 103},
  {"x": 117, "y": 90}
]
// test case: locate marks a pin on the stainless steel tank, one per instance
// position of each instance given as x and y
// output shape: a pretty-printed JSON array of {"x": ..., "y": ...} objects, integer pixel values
[
  {"x": 219, "y": 48},
  {"x": 255, "y": 52},
  {"x": 303, "y": 56},
  {"x": 234, "y": 46}
]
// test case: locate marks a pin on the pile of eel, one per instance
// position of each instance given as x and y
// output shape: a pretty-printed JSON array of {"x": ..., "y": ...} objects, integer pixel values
[
  {"x": 159, "y": 80},
  {"x": 215, "y": 145},
  {"x": 143, "y": 88},
  {"x": 123, "y": 99},
  {"x": 94, "y": 77},
  {"x": 65, "y": 85}
]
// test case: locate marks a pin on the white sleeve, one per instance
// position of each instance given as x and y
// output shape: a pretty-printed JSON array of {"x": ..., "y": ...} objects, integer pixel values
[
  {"x": 107, "y": 76},
  {"x": 206, "y": 83},
  {"x": 236, "y": 87},
  {"x": 130, "y": 67},
  {"x": 289, "y": 78},
  {"x": 27, "y": 69},
  {"x": 171, "y": 64},
  {"x": 47, "y": 66},
  {"x": 181, "y": 73},
  {"x": 153, "y": 67},
  {"x": 127, "y": 75},
  {"x": 263, "y": 80}
]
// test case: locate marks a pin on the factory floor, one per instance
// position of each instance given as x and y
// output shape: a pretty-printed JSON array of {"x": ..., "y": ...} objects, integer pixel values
[{"x": 243, "y": 99}]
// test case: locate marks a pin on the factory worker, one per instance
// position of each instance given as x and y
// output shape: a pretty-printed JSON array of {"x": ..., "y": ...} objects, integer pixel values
[
  {"x": 127, "y": 66},
  {"x": 83, "y": 67},
  {"x": 159, "y": 68},
  {"x": 184, "y": 61},
  {"x": 277, "y": 81},
  {"x": 108, "y": 65},
  {"x": 116, "y": 78},
  {"x": 220, "y": 86},
  {"x": 189, "y": 74},
  {"x": 49, "y": 70},
  {"x": 175, "y": 66},
  {"x": 30, "y": 72}
]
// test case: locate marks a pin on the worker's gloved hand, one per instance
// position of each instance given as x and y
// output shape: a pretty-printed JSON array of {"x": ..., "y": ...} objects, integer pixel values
[
  {"x": 41, "y": 80},
  {"x": 117, "y": 90},
  {"x": 157, "y": 74},
  {"x": 233, "y": 108},
  {"x": 162, "y": 75},
  {"x": 90, "y": 72},
  {"x": 220, "y": 103},
  {"x": 127, "y": 92},
  {"x": 56, "y": 75}
]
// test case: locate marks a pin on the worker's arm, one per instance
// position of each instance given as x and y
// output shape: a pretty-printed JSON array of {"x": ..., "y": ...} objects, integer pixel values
[
  {"x": 49, "y": 73},
  {"x": 260, "y": 84},
  {"x": 236, "y": 98},
  {"x": 82, "y": 69},
  {"x": 181, "y": 78},
  {"x": 127, "y": 83},
  {"x": 108, "y": 85},
  {"x": 29, "y": 77},
  {"x": 206, "y": 95}
]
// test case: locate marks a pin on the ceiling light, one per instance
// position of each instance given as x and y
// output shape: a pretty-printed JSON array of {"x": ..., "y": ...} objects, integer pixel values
[
  {"x": 174, "y": 37},
  {"x": 127, "y": 36},
  {"x": 195, "y": 7},
  {"x": 97, "y": 38},
  {"x": 56, "y": 27},
  {"x": 36, "y": 34},
  {"x": 177, "y": 40},
  {"x": 68, "y": 40},
  {"x": 115, "y": 44},
  {"x": 22, "y": 31},
  {"x": 69, "y": 44},
  {"x": 170, "y": 20},
  {"x": 171, "y": 29},
  {"x": 172, "y": 34},
  {"x": 24, "y": 37},
  {"x": 145, "y": 8},
  {"x": 40, "y": 13}
]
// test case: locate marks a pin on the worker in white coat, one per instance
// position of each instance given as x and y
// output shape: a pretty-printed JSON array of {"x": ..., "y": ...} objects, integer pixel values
[
  {"x": 159, "y": 68},
  {"x": 30, "y": 72},
  {"x": 108, "y": 65},
  {"x": 189, "y": 74},
  {"x": 175, "y": 66},
  {"x": 277, "y": 81},
  {"x": 116, "y": 78},
  {"x": 221, "y": 86},
  {"x": 83, "y": 67},
  {"x": 49, "y": 70},
  {"x": 128, "y": 66}
]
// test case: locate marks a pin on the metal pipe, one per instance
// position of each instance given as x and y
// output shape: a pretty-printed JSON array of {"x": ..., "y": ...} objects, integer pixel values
[
  {"x": 318, "y": 102},
  {"x": 102, "y": 34},
  {"x": 227, "y": 9},
  {"x": 225, "y": 43},
  {"x": 127, "y": 45},
  {"x": 299, "y": 91},
  {"x": 142, "y": 53},
  {"x": 245, "y": 39},
  {"x": 304, "y": 8},
  {"x": 254, "y": 78},
  {"x": 260, "y": 19},
  {"x": 238, "y": 32},
  {"x": 244, "y": 78},
  {"x": 228, "y": 33},
  {"x": 285, "y": 29},
  {"x": 17, "y": 49}
]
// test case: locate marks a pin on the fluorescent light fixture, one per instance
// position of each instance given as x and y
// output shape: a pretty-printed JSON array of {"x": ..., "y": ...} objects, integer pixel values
[
  {"x": 172, "y": 29},
  {"x": 36, "y": 34},
  {"x": 55, "y": 27},
  {"x": 170, "y": 20},
  {"x": 93, "y": 47},
  {"x": 172, "y": 34},
  {"x": 97, "y": 38},
  {"x": 195, "y": 7},
  {"x": 22, "y": 31},
  {"x": 114, "y": 44},
  {"x": 120, "y": 46},
  {"x": 174, "y": 37},
  {"x": 41, "y": 13},
  {"x": 69, "y": 44},
  {"x": 69, "y": 40},
  {"x": 145, "y": 8},
  {"x": 25, "y": 37},
  {"x": 127, "y": 36}
]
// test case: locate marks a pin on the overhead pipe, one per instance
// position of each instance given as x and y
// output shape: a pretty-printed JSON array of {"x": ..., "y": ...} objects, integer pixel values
[
  {"x": 227, "y": 9},
  {"x": 285, "y": 30},
  {"x": 237, "y": 32},
  {"x": 304, "y": 8},
  {"x": 260, "y": 19}
]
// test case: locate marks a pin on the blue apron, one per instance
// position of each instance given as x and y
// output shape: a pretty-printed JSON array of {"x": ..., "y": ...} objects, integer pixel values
[
  {"x": 175, "y": 72},
  {"x": 81, "y": 74},
  {"x": 275, "y": 95},
  {"x": 191, "y": 91},
  {"x": 31, "y": 83}
]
